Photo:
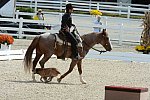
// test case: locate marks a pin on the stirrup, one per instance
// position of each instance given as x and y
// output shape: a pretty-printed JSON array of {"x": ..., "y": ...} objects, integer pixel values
[{"x": 78, "y": 58}]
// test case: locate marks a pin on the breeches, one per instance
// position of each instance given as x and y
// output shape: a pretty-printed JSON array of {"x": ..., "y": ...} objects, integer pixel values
[{"x": 70, "y": 37}]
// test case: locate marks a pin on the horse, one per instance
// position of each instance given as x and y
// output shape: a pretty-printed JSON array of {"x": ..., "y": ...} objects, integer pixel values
[{"x": 46, "y": 44}]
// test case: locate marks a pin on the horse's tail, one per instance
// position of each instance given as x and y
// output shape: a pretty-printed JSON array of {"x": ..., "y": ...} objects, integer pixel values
[{"x": 28, "y": 55}]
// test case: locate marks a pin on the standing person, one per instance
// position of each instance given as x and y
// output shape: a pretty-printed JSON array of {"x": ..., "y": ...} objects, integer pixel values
[
  {"x": 39, "y": 15},
  {"x": 66, "y": 24},
  {"x": 97, "y": 22}
]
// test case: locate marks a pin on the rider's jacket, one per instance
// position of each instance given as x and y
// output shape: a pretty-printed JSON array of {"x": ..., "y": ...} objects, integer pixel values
[{"x": 66, "y": 21}]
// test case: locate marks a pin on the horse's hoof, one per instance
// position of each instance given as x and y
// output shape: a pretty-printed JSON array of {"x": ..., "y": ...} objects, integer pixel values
[
  {"x": 58, "y": 80},
  {"x": 83, "y": 82},
  {"x": 47, "y": 81},
  {"x": 34, "y": 80}
]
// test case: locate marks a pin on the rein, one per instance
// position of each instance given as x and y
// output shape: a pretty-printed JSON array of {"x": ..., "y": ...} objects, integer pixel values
[{"x": 100, "y": 51}]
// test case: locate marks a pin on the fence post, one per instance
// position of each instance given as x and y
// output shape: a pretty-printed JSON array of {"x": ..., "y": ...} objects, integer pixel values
[
  {"x": 17, "y": 14},
  {"x": 129, "y": 12},
  {"x": 60, "y": 17},
  {"x": 106, "y": 18},
  {"x": 97, "y": 6},
  {"x": 67, "y": 2},
  {"x": 61, "y": 7},
  {"x": 31, "y": 3},
  {"x": 20, "y": 27},
  {"x": 121, "y": 34},
  {"x": 35, "y": 7},
  {"x": 8, "y": 52},
  {"x": 120, "y": 5},
  {"x": 149, "y": 6},
  {"x": 90, "y": 5}
]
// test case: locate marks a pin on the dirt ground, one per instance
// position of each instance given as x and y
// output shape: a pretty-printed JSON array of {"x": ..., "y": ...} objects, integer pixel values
[{"x": 16, "y": 85}]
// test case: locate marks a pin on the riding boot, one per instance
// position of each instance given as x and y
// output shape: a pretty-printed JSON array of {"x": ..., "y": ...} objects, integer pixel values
[
  {"x": 75, "y": 53},
  {"x": 74, "y": 47}
]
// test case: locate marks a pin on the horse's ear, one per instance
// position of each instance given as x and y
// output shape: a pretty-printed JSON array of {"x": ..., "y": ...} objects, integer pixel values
[{"x": 104, "y": 30}]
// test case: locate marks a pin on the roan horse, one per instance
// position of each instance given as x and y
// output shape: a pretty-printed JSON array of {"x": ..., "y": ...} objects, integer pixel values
[{"x": 46, "y": 45}]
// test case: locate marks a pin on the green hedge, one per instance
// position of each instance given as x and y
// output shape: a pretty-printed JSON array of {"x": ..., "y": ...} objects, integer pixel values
[{"x": 25, "y": 9}]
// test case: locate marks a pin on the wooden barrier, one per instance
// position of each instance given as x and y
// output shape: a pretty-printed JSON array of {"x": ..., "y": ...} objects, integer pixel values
[
  {"x": 125, "y": 93},
  {"x": 15, "y": 54}
]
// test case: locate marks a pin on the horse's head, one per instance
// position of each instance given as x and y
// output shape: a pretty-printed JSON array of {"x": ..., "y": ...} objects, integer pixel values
[{"x": 103, "y": 39}]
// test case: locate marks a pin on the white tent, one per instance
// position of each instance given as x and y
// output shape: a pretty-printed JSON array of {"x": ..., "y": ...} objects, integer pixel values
[
  {"x": 124, "y": 1},
  {"x": 7, "y": 8}
]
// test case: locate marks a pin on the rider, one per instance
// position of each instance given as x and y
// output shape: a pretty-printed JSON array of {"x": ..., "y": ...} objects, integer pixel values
[{"x": 66, "y": 24}]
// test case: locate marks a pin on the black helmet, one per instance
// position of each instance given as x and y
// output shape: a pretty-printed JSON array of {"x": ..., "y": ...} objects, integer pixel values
[{"x": 69, "y": 6}]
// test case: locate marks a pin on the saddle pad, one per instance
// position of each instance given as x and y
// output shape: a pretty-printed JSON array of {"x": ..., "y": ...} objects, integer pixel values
[{"x": 61, "y": 41}]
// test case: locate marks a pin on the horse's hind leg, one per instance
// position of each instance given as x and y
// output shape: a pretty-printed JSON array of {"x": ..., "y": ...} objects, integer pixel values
[
  {"x": 45, "y": 59},
  {"x": 72, "y": 65},
  {"x": 80, "y": 72},
  {"x": 36, "y": 59}
]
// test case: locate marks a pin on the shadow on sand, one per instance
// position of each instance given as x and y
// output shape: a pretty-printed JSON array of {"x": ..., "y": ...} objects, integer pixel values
[{"x": 41, "y": 82}]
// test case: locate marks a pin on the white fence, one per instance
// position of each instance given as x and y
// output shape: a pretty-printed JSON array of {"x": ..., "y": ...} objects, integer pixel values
[
  {"x": 119, "y": 8},
  {"x": 105, "y": 7},
  {"x": 119, "y": 28},
  {"x": 124, "y": 32},
  {"x": 15, "y": 54},
  {"x": 19, "y": 31}
]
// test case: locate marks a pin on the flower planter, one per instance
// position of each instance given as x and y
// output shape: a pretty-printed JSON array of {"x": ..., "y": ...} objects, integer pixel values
[
  {"x": 5, "y": 47},
  {"x": 5, "y": 41},
  {"x": 143, "y": 49}
]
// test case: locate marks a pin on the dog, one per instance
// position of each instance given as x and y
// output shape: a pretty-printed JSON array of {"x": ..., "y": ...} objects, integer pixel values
[{"x": 47, "y": 74}]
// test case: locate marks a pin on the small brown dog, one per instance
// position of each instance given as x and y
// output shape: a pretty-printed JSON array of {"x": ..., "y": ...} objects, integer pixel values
[{"x": 47, "y": 74}]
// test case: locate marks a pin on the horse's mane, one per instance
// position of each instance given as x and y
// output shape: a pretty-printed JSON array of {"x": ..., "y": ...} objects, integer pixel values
[
  {"x": 89, "y": 37},
  {"x": 88, "y": 34}
]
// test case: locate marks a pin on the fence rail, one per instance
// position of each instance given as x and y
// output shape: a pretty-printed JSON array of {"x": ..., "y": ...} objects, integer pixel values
[
  {"x": 19, "y": 31},
  {"x": 118, "y": 31},
  {"x": 105, "y": 7}
]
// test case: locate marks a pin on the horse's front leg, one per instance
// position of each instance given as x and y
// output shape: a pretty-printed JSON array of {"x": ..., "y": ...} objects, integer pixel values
[
  {"x": 80, "y": 72},
  {"x": 72, "y": 65}
]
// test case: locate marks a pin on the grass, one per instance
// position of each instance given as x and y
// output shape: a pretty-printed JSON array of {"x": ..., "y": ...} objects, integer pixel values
[
  {"x": 104, "y": 14},
  {"x": 122, "y": 16}
]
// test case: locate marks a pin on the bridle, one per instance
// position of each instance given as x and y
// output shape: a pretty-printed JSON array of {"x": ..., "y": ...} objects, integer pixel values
[{"x": 100, "y": 51}]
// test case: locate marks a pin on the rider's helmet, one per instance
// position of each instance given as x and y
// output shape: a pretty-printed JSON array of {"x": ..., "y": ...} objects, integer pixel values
[{"x": 69, "y": 6}]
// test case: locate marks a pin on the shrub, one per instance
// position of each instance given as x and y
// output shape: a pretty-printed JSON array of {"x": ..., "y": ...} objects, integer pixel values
[{"x": 25, "y": 9}]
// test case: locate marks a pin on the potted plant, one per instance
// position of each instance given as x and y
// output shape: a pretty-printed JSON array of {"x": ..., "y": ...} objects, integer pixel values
[{"x": 6, "y": 40}]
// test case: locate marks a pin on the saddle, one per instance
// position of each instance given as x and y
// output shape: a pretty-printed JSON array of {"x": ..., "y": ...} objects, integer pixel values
[{"x": 62, "y": 40}]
